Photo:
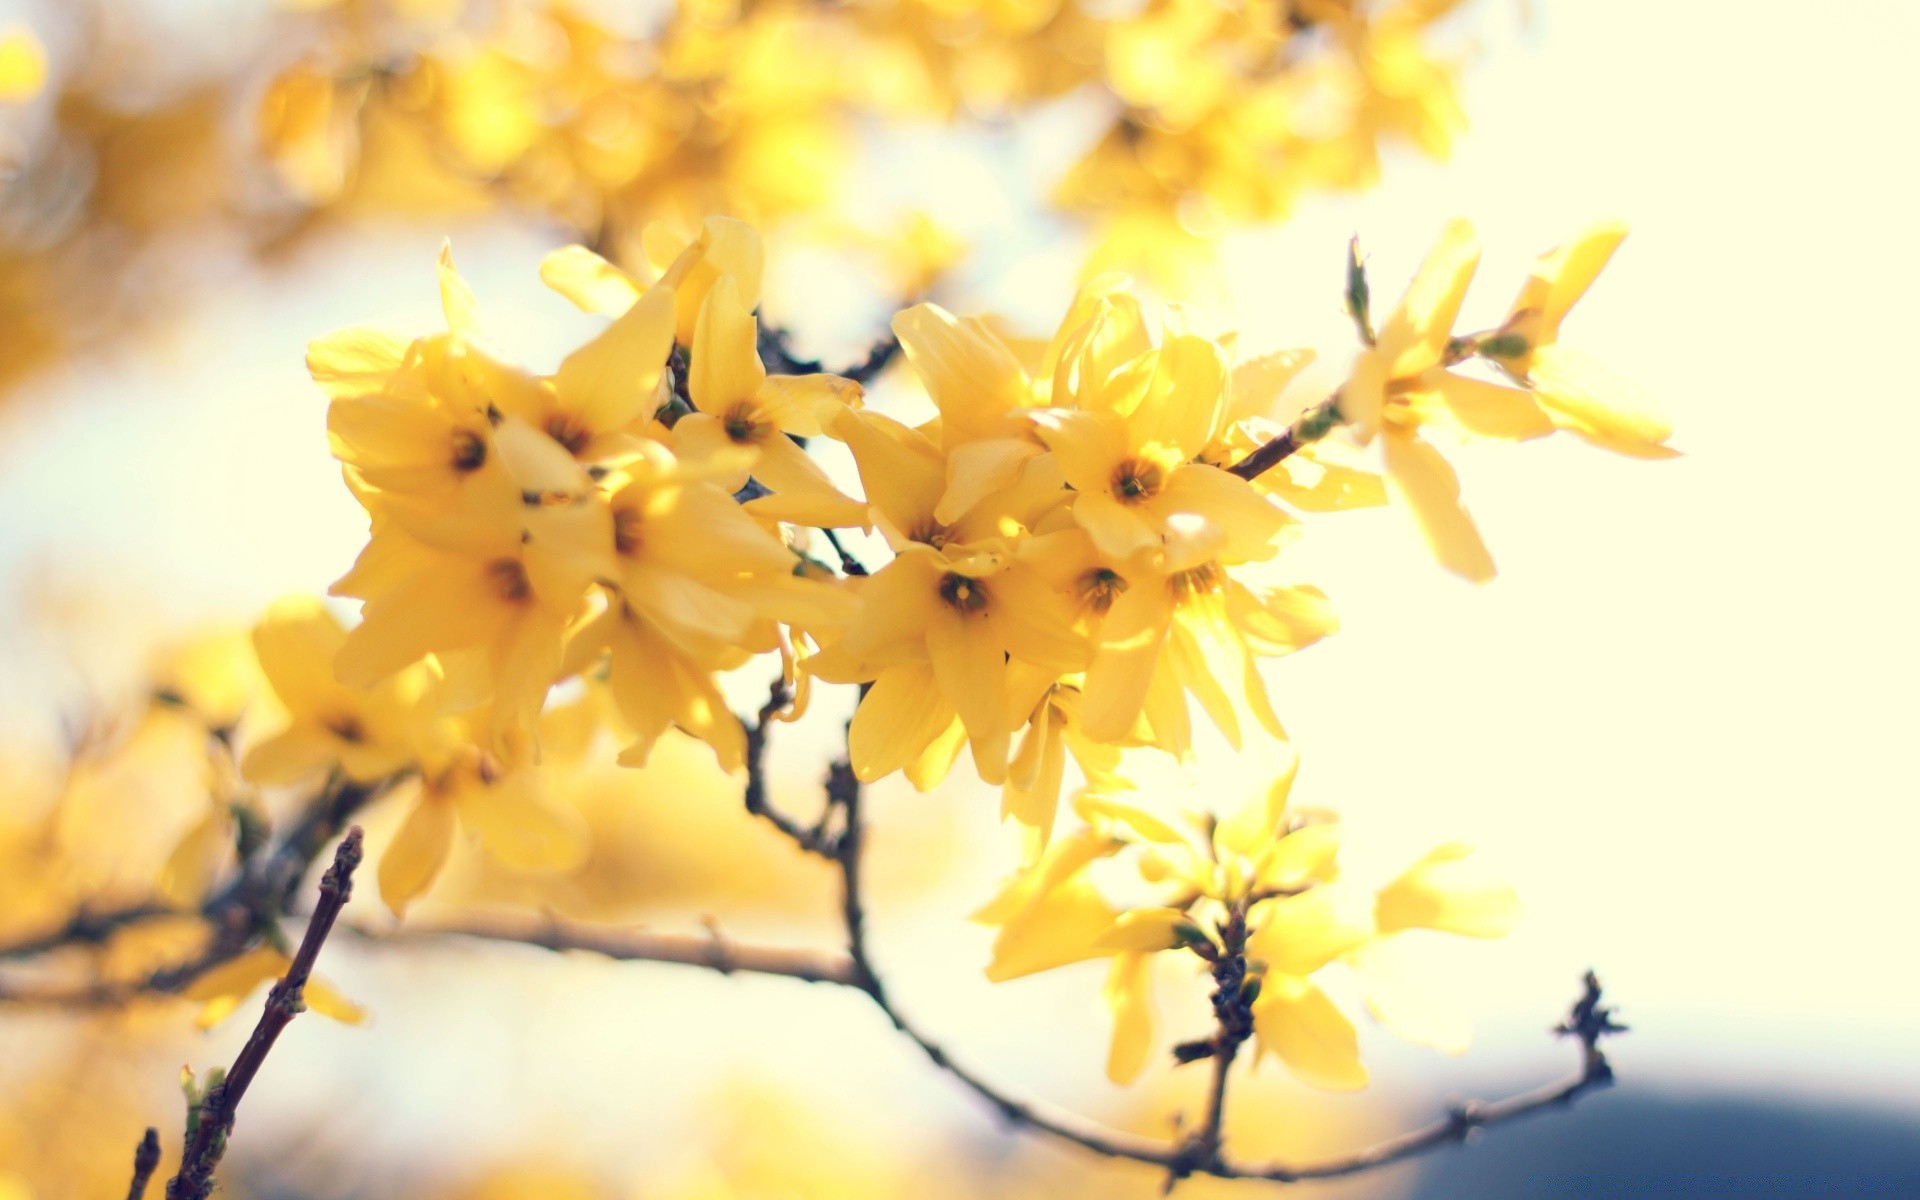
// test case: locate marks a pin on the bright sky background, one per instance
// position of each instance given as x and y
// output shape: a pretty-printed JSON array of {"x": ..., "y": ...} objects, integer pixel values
[{"x": 1682, "y": 719}]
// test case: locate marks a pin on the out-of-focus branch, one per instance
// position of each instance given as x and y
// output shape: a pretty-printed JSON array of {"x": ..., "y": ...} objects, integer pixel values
[
  {"x": 146, "y": 1160},
  {"x": 776, "y": 349},
  {"x": 214, "y": 1115},
  {"x": 238, "y": 914}
]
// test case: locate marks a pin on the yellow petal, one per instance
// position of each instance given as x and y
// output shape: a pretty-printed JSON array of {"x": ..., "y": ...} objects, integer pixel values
[
  {"x": 296, "y": 642},
  {"x": 1298, "y": 935},
  {"x": 290, "y": 757},
  {"x": 1596, "y": 398},
  {"x": 1257, "y": 383},
  {"x": 971, "y": 670},
  {"x": 592, "y": 283},
  {"x": 456, "y": 298},
  {"x": 615, "y": 378},
  {"x": 970, "y": 374},
  {"x": 1143, "y": 931},
  {"x": 977, "y": 470},
  {"x": 198, "y": 858},
  {"x": 901, "y": 714},
  {"x": 1131, "y": 638},
  {"x": 325, "y": 999},
  {"x": 901, "y": 471},
  {"x": 1480, "y": 408},
  {"x": 1449, "y": 889},
  {"x": 1415, "y": 337},
  {"x": 725, "y": 368},
  {"x": 1295, "y": 1020},
  {"x": 355, "y": 362},
  {"x": 1057, "y": 929},
  {"x": 1188, "y": 400},
  {"x": 1101, "y": 810},
  {"x": 1130, "y": 998},
  {"x": 1087, "y": 445},
  {"x": 520, "y": 826},
  {"x": 1423, "y": 482},
  {"x": 413, "y": 859}
]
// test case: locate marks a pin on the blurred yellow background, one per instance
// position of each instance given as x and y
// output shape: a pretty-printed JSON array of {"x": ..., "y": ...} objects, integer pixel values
[{"x": 1680, "y": 719}]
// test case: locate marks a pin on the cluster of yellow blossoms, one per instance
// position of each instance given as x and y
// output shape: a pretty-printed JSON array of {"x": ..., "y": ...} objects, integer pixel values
[
  {"x": 1215, "y": 113},
  {"x": 1078, "y": 555}
]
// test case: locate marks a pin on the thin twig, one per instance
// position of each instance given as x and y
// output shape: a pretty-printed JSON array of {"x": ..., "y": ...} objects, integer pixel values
[
  {"x": 214, "y": 1116},
  {"x": 1309, "y": 427},
  {"x": 849, "y": 565},
  {"x": 146, "y": 1160},
  {"x": 815, "y": 839},
  {"x": 713, "y": 952},
  {"x": 239, "y": 914},
  {"x": 776, "y": 348}
]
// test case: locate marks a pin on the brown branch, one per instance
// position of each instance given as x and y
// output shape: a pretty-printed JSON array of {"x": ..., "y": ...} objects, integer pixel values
[
  {"x": 146, "y": 1160},
  {"x": 239, "y": 913},
  {"x": 776, "y": 347},
  {"x": 815, "y": 839},
  {"x": 1309, "y": 427},
  {"x": 90, "y": 927},
  {"x": 214, "y": 1115},
  {"x": 712, "y": 952}
]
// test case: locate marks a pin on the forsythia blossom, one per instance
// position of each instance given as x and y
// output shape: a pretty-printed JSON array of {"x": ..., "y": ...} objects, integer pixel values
[{"x": 1089, "y": 536}]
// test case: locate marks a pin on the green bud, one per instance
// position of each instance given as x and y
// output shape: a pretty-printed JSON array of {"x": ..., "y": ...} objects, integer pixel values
[
  {"x": 1504, "y": 345},
  {"x": 1359, "y": 295}
]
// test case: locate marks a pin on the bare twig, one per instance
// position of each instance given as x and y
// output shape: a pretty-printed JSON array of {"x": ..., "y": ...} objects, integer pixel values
[
  {"x": 713, "y": 952},
  {"x": 815, "y": 839},
  {"x": 776, "y": 348},
  {"x": 239, "y": 914},
  {"x": 849, "y": 565},
  {"x": 214, "y": 1115},
  {"x": 146, "y": 1160},
  {"x": 1309, "y": 427}
]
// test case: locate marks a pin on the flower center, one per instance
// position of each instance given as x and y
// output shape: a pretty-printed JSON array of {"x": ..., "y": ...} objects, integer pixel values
[
  {"x": 1135, "y": 480},
  {"x": 469, "y": 451},
  {"x": 626, "y": 530},
  {"x": 1202, "y": 580},
  {"x": 346, "y": 728},
  {"x": 1098, "y": 588},
  {"x": 509, "y": 580},
  {"x": 961, "y": 594},
  {"x": 743, "y": 424},
  {"x": 568, "y": 431}
]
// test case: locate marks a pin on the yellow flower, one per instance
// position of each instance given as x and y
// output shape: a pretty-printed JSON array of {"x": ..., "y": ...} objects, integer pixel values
[
  {"x": 226, "y": 987},
  {"x": 1128, "y": 452},
  {"x": 1277, "y": 869},
  {"x": 1580, "y": 394},
  {"x": 1402, "y": 383},
  {"x": 740, "y": 407},
  {"x": 501, "y": 603},
  {"x": 701, "y": 585},
  {"x": 366, "y": 735},
  {"x": 685, "y": 268},
  {"x": 935, "y": 633},
  {"x": 503, "y": 804}
]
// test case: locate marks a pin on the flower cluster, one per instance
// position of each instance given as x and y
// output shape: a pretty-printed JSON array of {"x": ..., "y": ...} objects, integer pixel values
[
  {"x": 1088, "y": 541},
  {"x": 1220, "y": 113},
  {"x": 1261, "y": 884}
]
